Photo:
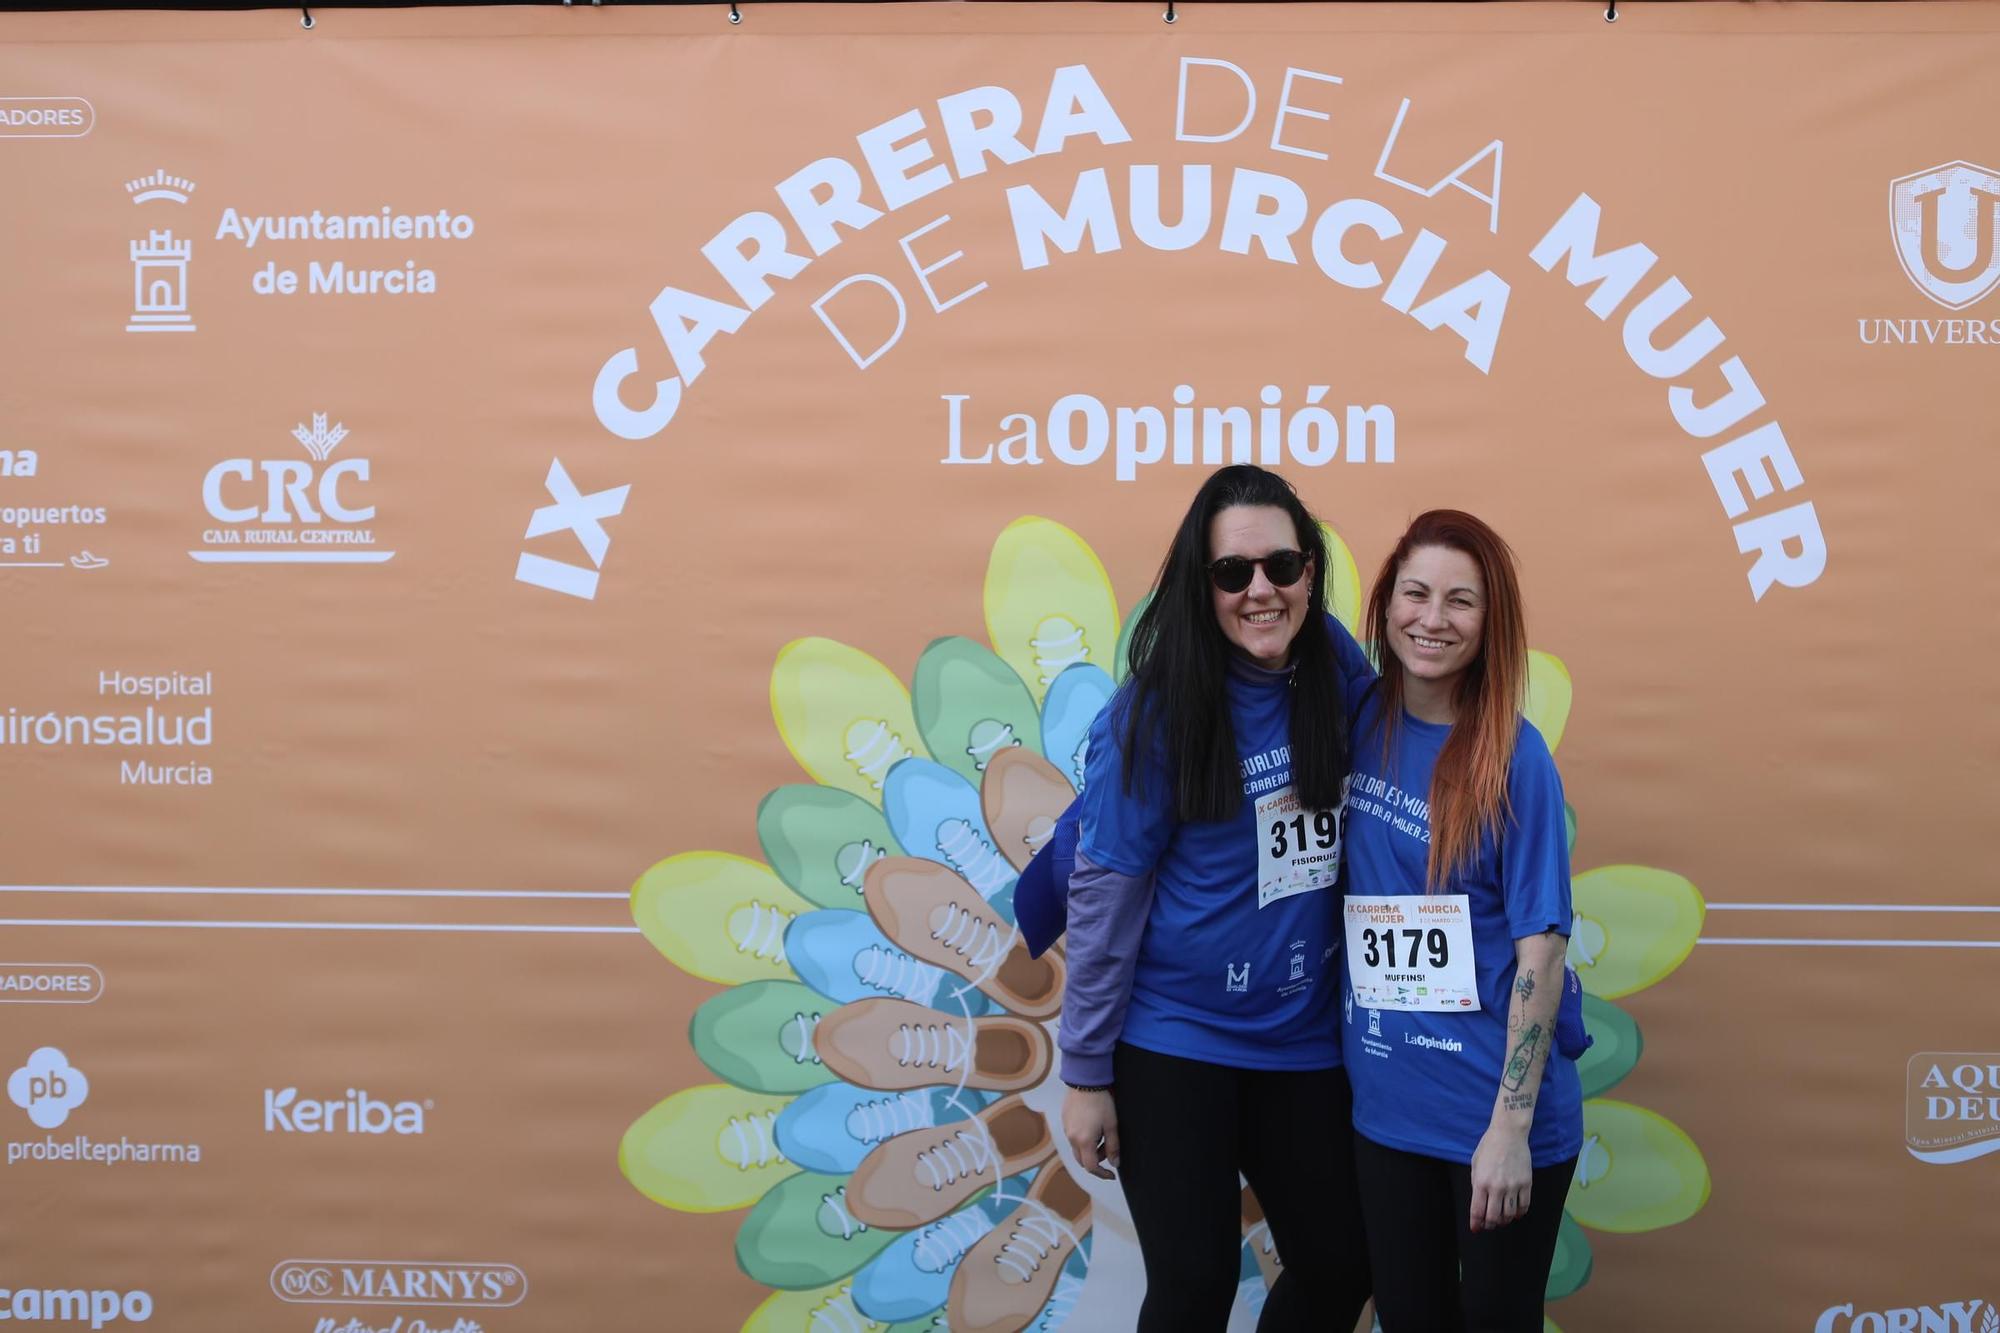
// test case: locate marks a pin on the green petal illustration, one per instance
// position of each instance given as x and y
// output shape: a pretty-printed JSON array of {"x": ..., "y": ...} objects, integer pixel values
[
  {"x": 1048, "y": 602},
  {"x": 821, "y": 841},
  {"x": 1343, "y": 581},
  {"x": 716, "y": 916},
  {"x": 1634, "y": 925},
  {"x": 970, "y": 705},
  {"x": 1569, "y": 827},
  {"x": 705, "y": 1149},
  {"x": 843, "y": 715},
  {"x": 1549, "y": 693},
  {"x": 1614, "y": 1048},
  {"x": 1571, "y": 1268},
  {"x": 801, "y": 1235},
  {"x": 1637, "y": 1172},
  {"x": 760, "y": 1036}
]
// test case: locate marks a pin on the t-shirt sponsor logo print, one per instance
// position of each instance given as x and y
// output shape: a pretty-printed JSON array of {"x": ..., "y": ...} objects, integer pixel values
[
  {"x": 398, "y": 1282},
  {"x": 1944, "y": 223},
  {"x": 75, "y": 1305},
  {"x": 289, "y": 510},
  {"x": 50, "y": 983},
  {"x": 1951, "y": 1110},
  {"x": 1972, "y": 1316},
  {"x": 50, "y": 1089}
]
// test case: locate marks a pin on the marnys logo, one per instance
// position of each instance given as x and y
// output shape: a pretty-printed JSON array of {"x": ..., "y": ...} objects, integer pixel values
[
  {"x": 74, "y": 1305},
  {"x": 309, "y": 514},
  {"x": 1951, "y": 1109},
  {"x": 394, "y": 1282},
  {"x": 285, "y": 1112},
  {"x": 1952, "y": 1317},
  {"x": 47, "y": 1088}
]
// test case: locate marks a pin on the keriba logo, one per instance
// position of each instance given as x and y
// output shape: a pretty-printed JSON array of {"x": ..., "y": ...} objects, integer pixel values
[
  {"x": 285, "y": 1112},
  {"x": 1946, "y": 225}
]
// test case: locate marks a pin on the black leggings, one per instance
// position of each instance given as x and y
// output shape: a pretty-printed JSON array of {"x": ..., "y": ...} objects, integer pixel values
[
  {"x": 1186, "y": 1128},
  {"x": 1433, "y": 1273}
]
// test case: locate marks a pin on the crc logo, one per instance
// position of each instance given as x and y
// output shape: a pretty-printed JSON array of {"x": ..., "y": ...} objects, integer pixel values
[
  {"x": 394, "y": 1282},
  {"x": 285, "y": 1112},
  {"x": 1946, "y": 222},
  {"x": 47, "y": 1087},
  {"x": 291, "y": 510},
  {"x": 1950, "y": 1317}
]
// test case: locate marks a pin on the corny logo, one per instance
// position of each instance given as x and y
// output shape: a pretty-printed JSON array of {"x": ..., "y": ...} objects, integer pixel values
[
  {"x": 1974, "y": 1316},
  {"x": 47, "y": 1088}
]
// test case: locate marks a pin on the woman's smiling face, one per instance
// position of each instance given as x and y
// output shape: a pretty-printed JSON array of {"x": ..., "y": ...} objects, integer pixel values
[
  {"x": 1262, "y": 620},
  {"x": 1437, "y": 617}
]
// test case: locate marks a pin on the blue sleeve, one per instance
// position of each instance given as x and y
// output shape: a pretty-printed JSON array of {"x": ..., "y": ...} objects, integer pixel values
[
  {"x": 1534, "y": 846},
  {"x": 1122, "y": 830},
  {"x": 1107, "y": 921}
]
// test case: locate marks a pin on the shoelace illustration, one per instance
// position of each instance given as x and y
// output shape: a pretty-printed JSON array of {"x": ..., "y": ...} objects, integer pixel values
[
  {"x": 934, "y": 1045},
  {"x": 968, "y": 1152},
  {"x": 976, "y": 860},
  {"x": 872, "y": 748},
  {"x": 942, "y": 1244},
  {"x": 797, "y": 1038},
  {"x": 838, "y": 1315},
  {"x": 1040, "y": 829},
  {"x": 895, "y": 972},
  {"x": 1061, "y": 1301},
  {"x": 886, "y": 1117},
  {"x": 988, "y": 737},
  {"x": 1592, "y": 1164},
  {"x": 1058, "y": 643},
  {"x": 834, "y": 1217},
  {"x": 747, "y": 1141},
  {"x": 1258, "y": 1238},
  {"x": 853, "y": 860},
  {"x": 1035, "y": 1234},
  {"x": 972, "y": 937},
  {"x": 759, "y": 929}
]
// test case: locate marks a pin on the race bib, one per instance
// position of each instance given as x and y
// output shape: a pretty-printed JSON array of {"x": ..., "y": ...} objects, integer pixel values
[
  {"x": 1412, "y": 952},
  {"x": 1298, "y": 850}
]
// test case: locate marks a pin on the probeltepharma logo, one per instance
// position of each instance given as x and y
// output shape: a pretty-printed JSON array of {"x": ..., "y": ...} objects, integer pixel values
[
  {"x": 398, "y": 1282},
  {"x": 1951, "y": 1110},
  {"x": 1975, "y": 1316},
  {"x": 74, "y": 1305},
  {"x": 357, "y": 1112},
  {"x": 1944, "y": 223},
  {"x": 47, "y": 1087},
  {"x": 289, "y": 510}
]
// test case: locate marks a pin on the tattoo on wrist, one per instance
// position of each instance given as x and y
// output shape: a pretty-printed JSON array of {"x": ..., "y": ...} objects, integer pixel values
[
  {"x": 1524, "y": 1054},
  {"x": 1524, "y": 984},
  {"x": 1518, "y": 1101}
]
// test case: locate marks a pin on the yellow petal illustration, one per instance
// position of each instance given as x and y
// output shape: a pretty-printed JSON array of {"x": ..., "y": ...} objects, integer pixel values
[
  {"x": 1048, "y": 602},
  {"x": 1549, "y": 692},
  {"x": 717, "y": 916},
  {"x": 1637, "y": 1172},
  {"x": 843, "y": 715},
  {"x": 1343, "y": 582},
  {"x": 706, "y": 1149},
  {"x": 1634, "y": 925}
]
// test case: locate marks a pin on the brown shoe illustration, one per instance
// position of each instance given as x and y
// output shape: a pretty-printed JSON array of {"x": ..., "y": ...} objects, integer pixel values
[
  {"x": 935, "y": 916},
  {"x": 1257, "y": 1235},
  {"x": 1021, "y": 795},
  {"x": 914, "y": 1179},
  {"x": 895, "y": 1045},
  {"x": 1004, "y": 1281}
]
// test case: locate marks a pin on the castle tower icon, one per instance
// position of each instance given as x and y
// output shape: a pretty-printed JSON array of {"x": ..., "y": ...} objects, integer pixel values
[{"x": 159, "y": 285}]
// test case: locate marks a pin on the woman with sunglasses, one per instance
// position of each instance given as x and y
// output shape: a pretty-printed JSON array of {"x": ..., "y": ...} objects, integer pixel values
[
  {"x": 1200, "y": 1034},
  {"x": 1467, "y": 1125}
]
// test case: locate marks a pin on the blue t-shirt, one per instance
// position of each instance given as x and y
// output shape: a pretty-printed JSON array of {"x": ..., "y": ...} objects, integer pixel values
[
  {"x": 1218, "y": 978},
  {"x": 1425, "y": 1082}
]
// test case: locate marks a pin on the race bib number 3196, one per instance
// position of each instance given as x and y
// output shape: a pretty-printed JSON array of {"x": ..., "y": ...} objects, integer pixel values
[
  {"x": 1298, "y": 850},
  {"x": 1412, "y": 952}
]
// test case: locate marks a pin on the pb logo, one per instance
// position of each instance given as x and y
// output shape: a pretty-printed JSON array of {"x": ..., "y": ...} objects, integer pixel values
[
  {"x": 47, "y": 1088},
  {"x": 1946, "y": 226}
]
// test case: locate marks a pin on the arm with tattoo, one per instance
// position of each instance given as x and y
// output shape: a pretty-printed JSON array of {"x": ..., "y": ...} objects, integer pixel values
[{"x": 1531, "y": 1020}]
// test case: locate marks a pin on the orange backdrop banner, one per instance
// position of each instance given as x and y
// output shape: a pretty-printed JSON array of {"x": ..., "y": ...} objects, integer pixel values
[{"x": 506, "y": 514}]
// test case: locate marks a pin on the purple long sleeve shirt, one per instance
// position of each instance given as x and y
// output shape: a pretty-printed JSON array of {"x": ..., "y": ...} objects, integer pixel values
[{"x": 1107, "y": 919}]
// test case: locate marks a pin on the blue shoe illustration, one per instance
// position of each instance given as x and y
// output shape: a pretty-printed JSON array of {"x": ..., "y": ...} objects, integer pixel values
[
  {"x": 844, "y": 956},
  {"x": 1074, "y": 701},
  {"x": 934, "y": 813},
  {"x": 912, "y": 1276},
  {"x": 832, "y": 1127}
]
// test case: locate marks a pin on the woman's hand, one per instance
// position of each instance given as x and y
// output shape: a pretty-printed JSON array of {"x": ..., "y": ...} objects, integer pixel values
[
  {"x": 1090, "y": 1123},
  {"x": 1502, "y": 1174}
]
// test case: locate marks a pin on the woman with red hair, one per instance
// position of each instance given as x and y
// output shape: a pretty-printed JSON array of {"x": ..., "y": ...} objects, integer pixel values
[{"x": 1467, "y": 1122}]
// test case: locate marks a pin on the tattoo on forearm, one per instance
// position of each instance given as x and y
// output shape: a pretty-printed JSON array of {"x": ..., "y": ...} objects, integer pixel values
[
  {"x": 1518, "y": 1101},
  {"x": 1524, "y": 985},
  {"x": 1523, "y": 1057}
]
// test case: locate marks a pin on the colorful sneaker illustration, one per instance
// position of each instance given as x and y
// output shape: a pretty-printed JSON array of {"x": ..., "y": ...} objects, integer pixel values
[
  {"x": 1615, "y": 1045},
  {"x": 821, "y": 841},
  {"x": 828, "y": 1309},
  {"x": 833, "y": 1127},
  {"x": 1571, "y": 1267},
  {"x": 936, "y": 814},
  {"x": 912, "y": 1276},
  {"x": 970, "y": 706},
  {"x": 1257, "y": 1239},
  {"x": 1021, "y": 797},
  {"x": 1634, "y": 925},
  {"x": 843, "y": 715},
  {"x": 760, "y": 1036},
  {"x": 706, "y": 1149},
  {"x": 1638, "y": 1170},
  {"x": 916, "y": 1178},
  {"x": 1073, "y": 703},
  {"x": 716, "y": 916},
  {"x": 1008, "y": 1277},
  {"x": 894, "y": 1045},
  {"x": 932, "y": 913},
  {"x": 801, "y": 1234},
  {"x": 844, "y": 956}
]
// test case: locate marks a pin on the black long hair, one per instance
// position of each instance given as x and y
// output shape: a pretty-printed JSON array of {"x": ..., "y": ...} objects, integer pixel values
[{"x": 1179, "y": 660}]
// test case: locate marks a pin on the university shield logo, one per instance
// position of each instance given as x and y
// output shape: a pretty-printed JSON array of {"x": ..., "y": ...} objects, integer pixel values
[{"x": 1946, "y": 222}]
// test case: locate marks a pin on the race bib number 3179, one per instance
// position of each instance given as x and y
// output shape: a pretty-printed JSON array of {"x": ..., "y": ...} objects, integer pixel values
[{"x": 1412, "y": 952}]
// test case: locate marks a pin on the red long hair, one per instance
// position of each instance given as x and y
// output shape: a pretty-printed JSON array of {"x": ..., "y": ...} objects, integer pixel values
[{"x": 1468, "y": 796}]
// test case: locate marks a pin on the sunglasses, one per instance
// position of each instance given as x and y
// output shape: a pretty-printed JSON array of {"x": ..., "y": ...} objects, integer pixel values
[{"x": 1233, "y": 573}]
